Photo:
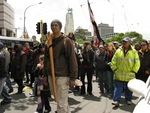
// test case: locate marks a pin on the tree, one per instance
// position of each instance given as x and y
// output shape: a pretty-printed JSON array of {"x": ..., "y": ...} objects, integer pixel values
[
  {"x": 80, "y": 33},
  {"x": 117, "y": 37},
  {"x": 135, "y": 37}
]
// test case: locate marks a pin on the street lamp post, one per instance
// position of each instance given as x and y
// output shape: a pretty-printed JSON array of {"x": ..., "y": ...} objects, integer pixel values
[{"x": 24, "y": 28}]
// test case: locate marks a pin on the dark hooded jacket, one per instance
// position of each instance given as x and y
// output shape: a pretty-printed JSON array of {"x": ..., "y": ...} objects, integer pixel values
[{"x": 18, "y": 63}]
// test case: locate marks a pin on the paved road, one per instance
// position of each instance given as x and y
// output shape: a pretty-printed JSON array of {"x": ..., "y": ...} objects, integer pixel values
[{"x": 24, "y": 103}]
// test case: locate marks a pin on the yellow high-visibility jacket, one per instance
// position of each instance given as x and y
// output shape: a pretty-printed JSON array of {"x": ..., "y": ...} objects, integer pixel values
[{"x": 125, "y": 65}]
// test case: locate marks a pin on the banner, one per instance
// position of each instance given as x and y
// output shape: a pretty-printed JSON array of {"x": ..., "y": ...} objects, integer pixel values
[{"x": 96, "y": 31}]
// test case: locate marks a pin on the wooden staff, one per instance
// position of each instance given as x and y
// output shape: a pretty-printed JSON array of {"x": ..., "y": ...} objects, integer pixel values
[{"x": 53, "y": 80}]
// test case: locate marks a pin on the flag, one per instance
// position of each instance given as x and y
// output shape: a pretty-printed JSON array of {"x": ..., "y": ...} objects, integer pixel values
[{"x": 94, "y": 24}]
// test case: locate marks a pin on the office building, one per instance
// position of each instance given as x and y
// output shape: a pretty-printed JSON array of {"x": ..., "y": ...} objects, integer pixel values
[{"x": 7, "y": 22}]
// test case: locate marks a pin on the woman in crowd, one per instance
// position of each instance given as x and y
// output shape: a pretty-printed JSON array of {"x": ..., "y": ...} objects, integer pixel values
[
  {"x": 87, "y": 68},
  {"x": 144, "y": 55},
  {"x": 110, "y": 52}
]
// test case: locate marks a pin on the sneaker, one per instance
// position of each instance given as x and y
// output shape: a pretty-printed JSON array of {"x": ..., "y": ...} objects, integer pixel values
[
  {"x": 6, "y": 102},
  {"x": 129, "y": 102},
  {"x": 47, "y": 111},
  {"x": 116, "y": 103}
]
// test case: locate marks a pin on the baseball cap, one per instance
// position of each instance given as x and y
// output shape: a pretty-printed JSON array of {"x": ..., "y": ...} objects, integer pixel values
[
  {"x": 1, "y": 45},
  {"x": 126, "y": 39}
]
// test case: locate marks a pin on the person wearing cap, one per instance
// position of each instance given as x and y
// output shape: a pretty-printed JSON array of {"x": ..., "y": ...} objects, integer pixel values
[
  {"x": 125, "y": 63},
  {"x": 8, "y": 80},
  {"x": 65, "y": 65},
  {"x": 3, "y": 75}
]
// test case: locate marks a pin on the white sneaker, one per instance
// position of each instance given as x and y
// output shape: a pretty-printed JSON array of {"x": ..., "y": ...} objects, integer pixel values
[{"x": 129, "y": 102}]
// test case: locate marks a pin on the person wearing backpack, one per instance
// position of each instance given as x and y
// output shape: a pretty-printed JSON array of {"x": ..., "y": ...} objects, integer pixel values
[
  {"x": 65, "y": 65},
  {"x": 3, "y": 75}
]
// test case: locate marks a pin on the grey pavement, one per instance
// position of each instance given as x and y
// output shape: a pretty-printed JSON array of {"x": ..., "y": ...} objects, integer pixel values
[{"x": 25, "y": 103}]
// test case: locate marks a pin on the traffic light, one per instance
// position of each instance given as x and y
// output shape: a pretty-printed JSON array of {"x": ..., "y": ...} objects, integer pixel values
[
  {"x": 44, "y": 28},
  {"x": 38, "y": 28}
]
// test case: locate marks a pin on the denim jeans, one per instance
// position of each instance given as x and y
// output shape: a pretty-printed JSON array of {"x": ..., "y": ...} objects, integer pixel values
[
  {"x": 3, "y": 90},
  {"x": 110, "y": 75},
  {"x": 121, "y": 86},
  {"x": 36, "y": 79},
  {"x": 103, "y": 81},
  {"x": 8, "y": 82}
]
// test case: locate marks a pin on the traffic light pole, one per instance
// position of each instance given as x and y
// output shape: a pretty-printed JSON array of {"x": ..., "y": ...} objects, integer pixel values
[
  {"x": 41, "y": 28},
  {"x": 24, "y": 28}
]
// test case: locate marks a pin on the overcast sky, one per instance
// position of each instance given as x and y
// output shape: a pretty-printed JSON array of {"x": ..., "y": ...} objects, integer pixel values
[{"x": 124, "y": 15}]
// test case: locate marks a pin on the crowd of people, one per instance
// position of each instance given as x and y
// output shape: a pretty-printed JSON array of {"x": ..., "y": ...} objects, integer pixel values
[{"x": 113, "y": 66}]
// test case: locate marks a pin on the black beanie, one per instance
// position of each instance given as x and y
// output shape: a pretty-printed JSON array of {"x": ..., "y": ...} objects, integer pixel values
[{"x": 57, "y": 21}]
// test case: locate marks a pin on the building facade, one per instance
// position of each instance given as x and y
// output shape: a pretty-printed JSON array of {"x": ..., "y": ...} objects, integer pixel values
[
  {"x": 105, "y": 30},
  {"x": 7, "y": 22},
  {"x": 69, "y": 25}
]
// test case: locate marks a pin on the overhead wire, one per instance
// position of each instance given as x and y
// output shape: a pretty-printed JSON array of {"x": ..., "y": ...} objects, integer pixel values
[
  {"x": 125, "y": 15},
  {"x": 81, "y": 5},
  {"x": 133, "y": 19}
]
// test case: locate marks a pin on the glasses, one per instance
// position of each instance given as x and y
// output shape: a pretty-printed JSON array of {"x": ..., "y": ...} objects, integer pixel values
[{"x": 143, "y": 44}]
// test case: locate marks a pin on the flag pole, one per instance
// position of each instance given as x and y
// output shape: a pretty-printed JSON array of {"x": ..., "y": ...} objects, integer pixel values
[{"x": 53, "y": 79}]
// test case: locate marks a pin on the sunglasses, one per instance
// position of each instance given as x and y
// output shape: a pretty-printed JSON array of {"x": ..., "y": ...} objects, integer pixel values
[{"x": 143, "y": 44}]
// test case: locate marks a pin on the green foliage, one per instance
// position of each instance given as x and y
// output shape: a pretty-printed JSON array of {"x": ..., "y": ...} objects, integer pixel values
[
  {"x": 135, "y": 37},
  {"x": 80, "y": 34},
  {"x": 80, "y": 41}
]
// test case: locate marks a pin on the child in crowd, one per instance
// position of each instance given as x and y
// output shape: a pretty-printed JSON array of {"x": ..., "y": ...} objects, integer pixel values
[{"x": 43, "y": 90}]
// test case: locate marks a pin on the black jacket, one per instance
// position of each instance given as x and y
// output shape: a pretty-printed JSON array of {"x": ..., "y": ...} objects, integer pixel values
[
  {"x": 101, "y": 62},
  {"x": 2, "y": 65}
]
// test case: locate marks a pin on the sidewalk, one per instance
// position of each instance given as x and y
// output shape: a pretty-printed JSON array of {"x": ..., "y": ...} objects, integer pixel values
[{"x": 24, "y": 103}]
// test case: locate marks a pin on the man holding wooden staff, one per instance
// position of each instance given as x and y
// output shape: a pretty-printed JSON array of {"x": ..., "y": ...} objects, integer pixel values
[{"x": 65, "y": 65}]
